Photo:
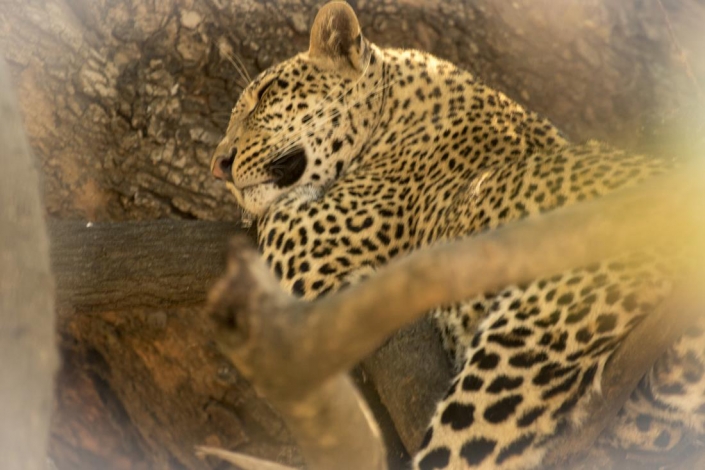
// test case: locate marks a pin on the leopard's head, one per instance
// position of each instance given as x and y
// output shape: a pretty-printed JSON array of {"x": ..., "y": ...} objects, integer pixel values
[{"x": 305, "y": 120}]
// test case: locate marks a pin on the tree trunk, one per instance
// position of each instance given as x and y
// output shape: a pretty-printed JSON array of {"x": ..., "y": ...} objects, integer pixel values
[{"x": 124, "y": 102}]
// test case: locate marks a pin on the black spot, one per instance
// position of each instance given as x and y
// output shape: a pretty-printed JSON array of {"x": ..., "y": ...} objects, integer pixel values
[
  {"x": 643, "y": 422},
  {"x": 525, "y": 315},
  {"x": 426, "y": 439},
  {"x": 551, "y": 371},
  {"x": 530, "y": 416},
  {"x": 336, "y": 145},
  {"x": 575, "y": 356},
  {"x": 515, "y": 448},
  {"x": 693, "y": 369},
  {"x": 563, "y": 387},
  {"x": 338, "y": 168},
  {"x": 458, "y": 416},
  {"x": 298, "y": 288},
  {"x": 503, "y": 383},
  {"x": 675, "y": 388},
  {"x": 629, "y": 303},
  {"x": 506, "y": 340},
  {"x": 577, "y": 316},
  {"x": 366, "y": 223},
  {"x": 522, "y": 331},
  {"x": 485, "y": 361},
  {"x": 472, "y": 383},
  {"x": 528, "y": 359},
  {"x": 317, "y": 284},
  {"x": 606, "y": 323},
  {"x": 384, "y": 238},
  {"x": 502, "y": 409},
  {"x": 318, "y": 227},
  {"x": 477, "y": 450},
  {"x": 327, "y": 269},
  {"x": 436, "y": 459},
  {"x": 550, "y": 321},
  {"x": 561, "y": 429},
  {"x": 663, "y": 439},
  {"x": 288, "y": 246},
  {"x": 570, "y": 403},
  {"x": 565, "y": 299},
  {"x": 476, "y": 340},
  {"x": 451, "y": 389},
  {"x": 550, "y": 295},
  {"x": 612, "y": 296},
  {"x": 270, "y": 237},
  {"x": 560, "y": 343},
  {"x": 583, "y": 335},
  {"x": 599, "y": 343}
]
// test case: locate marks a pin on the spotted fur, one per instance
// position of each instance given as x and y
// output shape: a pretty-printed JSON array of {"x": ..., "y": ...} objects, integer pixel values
[{"x": 351, "y": 155}]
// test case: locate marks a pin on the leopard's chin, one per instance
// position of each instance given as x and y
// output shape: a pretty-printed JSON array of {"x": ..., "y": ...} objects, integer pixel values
[{"x": 256, "y": 200}]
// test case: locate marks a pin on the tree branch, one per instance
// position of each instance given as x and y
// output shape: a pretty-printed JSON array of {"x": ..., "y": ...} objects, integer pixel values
[
  {"x": 27, "y": 351},
  {"x": 155, "y": 264}
]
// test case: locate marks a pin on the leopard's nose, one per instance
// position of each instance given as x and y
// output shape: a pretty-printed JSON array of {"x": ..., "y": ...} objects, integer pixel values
[{"x": 222, "y": 167}]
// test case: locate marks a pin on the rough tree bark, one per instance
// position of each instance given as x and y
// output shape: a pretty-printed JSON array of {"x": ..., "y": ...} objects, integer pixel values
[{"x": 124, "y": 101}]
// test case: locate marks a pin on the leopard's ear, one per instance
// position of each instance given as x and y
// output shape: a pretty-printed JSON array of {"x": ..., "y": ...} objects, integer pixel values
[{"x": 336, "y": 35}]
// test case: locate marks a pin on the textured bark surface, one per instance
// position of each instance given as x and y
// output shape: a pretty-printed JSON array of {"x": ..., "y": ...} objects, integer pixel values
[
  {"x": 124, "y": 101},
  {"x": 118, "y": 266},
  {"x": 141, "y": 389},
  {"x": 142, "y": 384}
]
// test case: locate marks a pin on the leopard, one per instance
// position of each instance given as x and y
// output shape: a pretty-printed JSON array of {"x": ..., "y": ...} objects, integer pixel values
[{"x": 349, "y": 155}]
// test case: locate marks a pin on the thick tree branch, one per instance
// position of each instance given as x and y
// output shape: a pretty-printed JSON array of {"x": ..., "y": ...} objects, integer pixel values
[
  {"x": 27, "y": 350},
  {"x": 155, "y": 264}
]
